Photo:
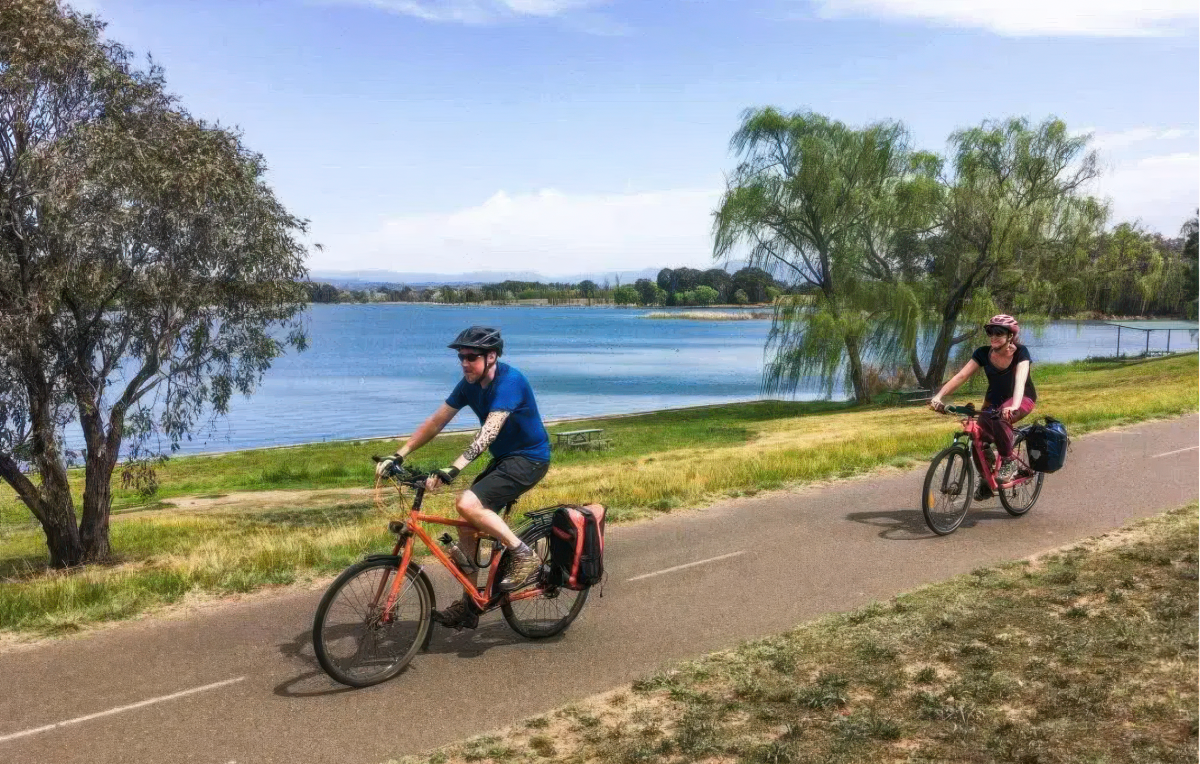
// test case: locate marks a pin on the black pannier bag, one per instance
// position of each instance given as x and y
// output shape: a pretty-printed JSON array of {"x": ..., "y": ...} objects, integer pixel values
[
  {"x": 1047, "y": 445},
  {"x": 576, "y": 546}
]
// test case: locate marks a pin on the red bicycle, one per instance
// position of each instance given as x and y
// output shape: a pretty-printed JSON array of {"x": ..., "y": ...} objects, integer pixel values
[
  {"x": 377, "y": 614},
  {"x": 950, "y": 482}
]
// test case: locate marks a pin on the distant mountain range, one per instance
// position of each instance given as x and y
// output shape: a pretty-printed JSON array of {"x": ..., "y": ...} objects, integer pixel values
[{"x": 366, "y": 278}]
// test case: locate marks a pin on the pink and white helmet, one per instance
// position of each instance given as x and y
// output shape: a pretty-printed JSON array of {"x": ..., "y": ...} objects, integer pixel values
[{"x": 1004, "y": 321}]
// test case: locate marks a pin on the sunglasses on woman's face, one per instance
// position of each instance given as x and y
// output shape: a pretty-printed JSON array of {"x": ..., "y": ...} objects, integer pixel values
[
  {"x": 468, "y": 357},
  {"x": 992, "y": 331}
]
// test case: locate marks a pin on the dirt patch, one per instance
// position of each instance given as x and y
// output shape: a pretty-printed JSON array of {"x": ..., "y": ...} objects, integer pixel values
[{"x": 254, "y": 501}]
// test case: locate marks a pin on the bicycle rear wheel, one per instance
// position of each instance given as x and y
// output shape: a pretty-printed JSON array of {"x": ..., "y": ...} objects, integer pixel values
[
  {"x": 1020, "y": 498},
  {"x": 550, "y": 612},
  {"x": 353, "y": 641},
  {"x": 949, "y": 487}
]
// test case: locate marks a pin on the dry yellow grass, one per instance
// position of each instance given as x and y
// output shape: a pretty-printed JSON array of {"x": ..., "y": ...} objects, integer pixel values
[{"x": 241, "y": 541}]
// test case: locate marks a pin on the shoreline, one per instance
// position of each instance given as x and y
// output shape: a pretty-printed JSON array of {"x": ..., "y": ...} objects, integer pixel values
[
  {"x": 542, "y": 303},
  {"x": 548, "y": 423}
]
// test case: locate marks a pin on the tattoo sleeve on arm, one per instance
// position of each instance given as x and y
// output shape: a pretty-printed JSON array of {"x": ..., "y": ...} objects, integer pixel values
[{"x": 487, "y": 434}]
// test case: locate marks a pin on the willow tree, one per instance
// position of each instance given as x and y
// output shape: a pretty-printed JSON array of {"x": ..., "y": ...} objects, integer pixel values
[
  {"x": 1131, "y": 271},
  {"x": 801, "y": 200},
  {"x": 147, "y": 273},
  {"x": 1015, "y": 218}
]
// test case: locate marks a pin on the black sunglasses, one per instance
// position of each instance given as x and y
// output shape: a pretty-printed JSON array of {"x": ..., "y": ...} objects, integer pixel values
[
  {"x": 469, "y": 357},
  {"x": 996, "y": 331}
]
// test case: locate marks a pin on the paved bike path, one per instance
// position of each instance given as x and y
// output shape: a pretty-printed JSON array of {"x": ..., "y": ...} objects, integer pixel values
[{"x": 239, "y": 684}]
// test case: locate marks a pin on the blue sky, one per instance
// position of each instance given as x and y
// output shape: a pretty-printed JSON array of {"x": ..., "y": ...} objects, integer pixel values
[{"x": 569, "y": 136}]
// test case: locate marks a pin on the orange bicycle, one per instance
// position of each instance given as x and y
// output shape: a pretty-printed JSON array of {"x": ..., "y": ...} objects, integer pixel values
[
  {"x": 378, "y": 613},
  {"x": 950, "y": 482}
]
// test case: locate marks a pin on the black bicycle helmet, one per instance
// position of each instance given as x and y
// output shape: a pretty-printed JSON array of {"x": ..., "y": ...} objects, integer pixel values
[{"x": 482, "y": 338}]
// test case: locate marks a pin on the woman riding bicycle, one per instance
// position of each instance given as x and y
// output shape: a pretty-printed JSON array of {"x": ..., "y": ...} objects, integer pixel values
[{"x": 1010, "y": 394}]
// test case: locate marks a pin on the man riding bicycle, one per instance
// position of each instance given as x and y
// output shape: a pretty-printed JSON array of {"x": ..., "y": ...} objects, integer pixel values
[
  {"x": 512, "y": 431},
  {"x": 1010, "y": 395}
]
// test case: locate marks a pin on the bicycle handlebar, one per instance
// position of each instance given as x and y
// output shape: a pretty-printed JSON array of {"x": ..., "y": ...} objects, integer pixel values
[
  {"x": 406, "y": 474},
  {"x": 967, "y": 410}
]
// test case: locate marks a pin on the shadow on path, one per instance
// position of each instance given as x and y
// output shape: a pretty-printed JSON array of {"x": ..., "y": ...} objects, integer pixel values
[
  {"x": 468, "y": 643},
  {"x": 909, "y": 524}
]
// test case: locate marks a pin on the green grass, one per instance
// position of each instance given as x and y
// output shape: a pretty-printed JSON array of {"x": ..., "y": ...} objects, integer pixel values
[
  {"x": 1015, "y": 663},
  {"x": 244, "y": 537}
]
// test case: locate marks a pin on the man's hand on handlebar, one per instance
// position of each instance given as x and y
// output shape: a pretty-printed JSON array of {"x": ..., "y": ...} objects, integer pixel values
[
  {"x": 937, "y": 405},
  {"x": 441, "y": 477},
  {"x": 385, "y": 466}
]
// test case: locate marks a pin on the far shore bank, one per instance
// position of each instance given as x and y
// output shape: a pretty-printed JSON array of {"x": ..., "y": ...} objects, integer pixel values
[
  {"x": 1088, "y": 317},
  {"x": 540, "y": 303}
]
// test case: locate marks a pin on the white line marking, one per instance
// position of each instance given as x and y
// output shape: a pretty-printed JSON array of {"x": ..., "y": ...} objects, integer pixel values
[
  {"x": 687, "y": 565},
  {"x": 119, "y": 709},
  {"x": 1180, "y": 451}
]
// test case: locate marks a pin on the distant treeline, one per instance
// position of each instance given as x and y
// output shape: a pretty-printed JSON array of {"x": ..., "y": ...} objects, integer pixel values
[{"x": 678, "y": 286}]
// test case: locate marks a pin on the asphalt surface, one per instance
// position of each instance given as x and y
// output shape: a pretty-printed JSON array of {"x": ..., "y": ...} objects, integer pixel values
[{"x": 238, "y": 683}]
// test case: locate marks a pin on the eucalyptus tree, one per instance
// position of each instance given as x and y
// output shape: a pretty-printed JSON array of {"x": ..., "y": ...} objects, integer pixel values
[
  {"x": 801, "y": 199},
  {"x": 1015, "y": 219},
  {"x": 147, "y": 272}
]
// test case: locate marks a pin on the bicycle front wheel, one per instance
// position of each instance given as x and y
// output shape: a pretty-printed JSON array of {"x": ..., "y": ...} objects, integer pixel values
[
  {"x": 1020, "y": 498},
  {"x": 550, "y": 612},
  {"x": 355, "y": 641},
  {"x": 949, "y": 487}
]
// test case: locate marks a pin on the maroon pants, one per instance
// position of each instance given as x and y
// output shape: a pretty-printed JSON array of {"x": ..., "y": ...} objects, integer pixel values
[{"x": 993, "y": 427}]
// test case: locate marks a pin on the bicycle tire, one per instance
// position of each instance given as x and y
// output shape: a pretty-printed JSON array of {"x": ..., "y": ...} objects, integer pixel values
[
  {"x": 940, "y": 507},
  {"x": 1020, "y": 499},
  {"x": 392, "y": 645},
  {"x": 553, "y": 611}
]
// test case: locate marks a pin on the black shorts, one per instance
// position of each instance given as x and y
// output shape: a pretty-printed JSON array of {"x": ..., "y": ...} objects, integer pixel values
[{"x": 504, "y": 480}]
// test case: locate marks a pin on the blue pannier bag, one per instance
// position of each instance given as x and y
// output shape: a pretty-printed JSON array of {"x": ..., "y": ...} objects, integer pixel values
[{"x": 1047, "y": 445}]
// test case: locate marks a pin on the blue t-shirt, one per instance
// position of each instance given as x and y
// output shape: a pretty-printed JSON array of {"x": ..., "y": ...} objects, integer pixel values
[{"x": 523, "y": 434}]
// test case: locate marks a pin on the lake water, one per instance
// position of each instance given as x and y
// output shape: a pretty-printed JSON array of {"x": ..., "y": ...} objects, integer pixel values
[{"x": 379, "y": 370}]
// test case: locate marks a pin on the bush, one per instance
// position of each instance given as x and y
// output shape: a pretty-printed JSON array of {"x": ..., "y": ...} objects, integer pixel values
[{"x": 625, "y": 295}]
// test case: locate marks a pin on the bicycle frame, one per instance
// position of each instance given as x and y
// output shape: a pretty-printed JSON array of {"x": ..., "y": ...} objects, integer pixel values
[
  {"x": 406, "y": 536},
  {"x": 971, "y": 430}
]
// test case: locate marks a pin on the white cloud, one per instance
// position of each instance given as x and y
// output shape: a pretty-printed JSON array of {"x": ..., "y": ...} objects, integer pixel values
[
  {"x": 475, "y": 11},
  {"x": 1151, "y": 174},
  {"x": 1160, "y": 191},
  {"x": 1024, "y": 18},
  {"x": 1110, "y": 141},
  {"x": 549, "y": 231}
]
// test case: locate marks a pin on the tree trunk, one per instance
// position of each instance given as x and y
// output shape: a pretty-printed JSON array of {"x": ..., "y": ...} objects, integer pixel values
[
  {"x": 56, "y": 515},
  {"x": 62, "y": 535},
  {"x": 857, "y": 379},
  {"x": 97, "y": 506},
  {"x": 939, "y": 357},
  {"x": 100, "y": 460},
  {"x": 56, "y": 510}
]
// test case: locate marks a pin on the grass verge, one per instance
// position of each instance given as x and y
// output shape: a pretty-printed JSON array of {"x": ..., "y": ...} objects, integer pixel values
[
  {"x": 281, "y": 516},
  {"x": 1083, "y": 655}
]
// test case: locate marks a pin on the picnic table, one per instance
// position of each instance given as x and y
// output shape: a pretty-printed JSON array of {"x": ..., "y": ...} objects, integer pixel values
[
  {"x": 909, "y": 396},
  {"x": 582, "y": 439}
]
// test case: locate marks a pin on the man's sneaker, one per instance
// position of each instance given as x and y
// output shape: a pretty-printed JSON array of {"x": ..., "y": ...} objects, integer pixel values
[
  {"x": 457, "y": 616},
  {"x": 1008, "y": 470},
  {"x": 524, "y": 566},
  {"x": 983, "y": 492}
]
